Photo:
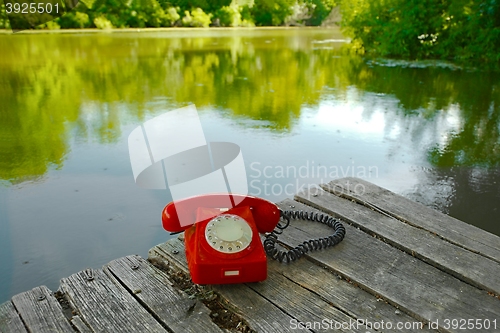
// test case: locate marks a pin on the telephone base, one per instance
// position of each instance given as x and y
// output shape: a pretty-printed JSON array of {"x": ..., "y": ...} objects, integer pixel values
[
  {"x": 228, "y": 274},
  {"x": 209, "y": 266}
]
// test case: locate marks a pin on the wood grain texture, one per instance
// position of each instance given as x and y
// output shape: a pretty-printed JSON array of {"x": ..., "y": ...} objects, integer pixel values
[
  {"x": 307, "y": 292},
  {"x": 105, "y": 306},
  {"x": 301, "y": 303},
  {"x": 10, "y": 322},
  {"x": 79, "y": 325},
  {"x": 447, "y": 227},
  {"x": 455, "y": 260},
  {"x": 341, "y": 294},
  {"x": 419, "y": 289},
  {"x": 260, "y": 313},
  {"x": 40, "y": 311},
  {"x": 155, "y": 292}
]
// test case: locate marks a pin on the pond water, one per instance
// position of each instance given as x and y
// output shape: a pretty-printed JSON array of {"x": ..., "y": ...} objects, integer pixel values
[{"x": 302, "y": 111}]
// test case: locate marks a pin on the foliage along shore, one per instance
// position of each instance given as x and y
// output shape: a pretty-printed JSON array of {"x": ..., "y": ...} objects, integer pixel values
[
  {"x": 466, "y": 32},
  {"x": 107, "y": 14}
]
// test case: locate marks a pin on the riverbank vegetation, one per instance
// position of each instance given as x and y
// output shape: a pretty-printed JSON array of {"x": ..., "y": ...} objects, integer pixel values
[
  {"x": 466, "y": 32},
  {"x": 104, "y": 14}
]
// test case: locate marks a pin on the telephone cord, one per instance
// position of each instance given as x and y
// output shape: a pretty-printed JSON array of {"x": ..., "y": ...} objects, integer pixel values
[{"x": 288, "y": 256}]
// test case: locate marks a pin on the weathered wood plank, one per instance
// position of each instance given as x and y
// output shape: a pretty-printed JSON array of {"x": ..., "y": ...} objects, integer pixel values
[
  {"x": 40, "y": 311},
  {"x": 106, "y": 306},
  {"x": 302, "y": 304},
  {"x": 156, "y": 293},
  {"x": 341, "y": 294},
  {"x": 10, "y": 322},
  {"x": 307, "y": 306},
  {"x": 311, "y": 295},
  {"x": 447, "y": 227},
  {"x": 261, "y": 314},
  {"x": 419, "y": 242},
  {"x": 79, "y": 325},
  {"x": 419, "y": 289}
]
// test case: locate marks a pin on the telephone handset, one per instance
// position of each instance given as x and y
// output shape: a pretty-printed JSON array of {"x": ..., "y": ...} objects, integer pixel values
[{"x": 221, "y": 236}]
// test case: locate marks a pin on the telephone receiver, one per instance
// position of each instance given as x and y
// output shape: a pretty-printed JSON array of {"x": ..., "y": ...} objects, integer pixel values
[{"x": 221, "y": 235}]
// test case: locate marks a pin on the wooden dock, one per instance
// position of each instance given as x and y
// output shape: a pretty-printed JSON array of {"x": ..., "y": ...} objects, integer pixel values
[{"x": 402, "y": 267}]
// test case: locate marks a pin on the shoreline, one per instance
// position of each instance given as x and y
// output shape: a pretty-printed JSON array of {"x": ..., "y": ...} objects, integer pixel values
[{"x": 164, "y": 29}]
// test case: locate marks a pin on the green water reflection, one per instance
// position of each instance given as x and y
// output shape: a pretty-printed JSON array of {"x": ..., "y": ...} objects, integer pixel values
[{"x": 46, "y": 79}]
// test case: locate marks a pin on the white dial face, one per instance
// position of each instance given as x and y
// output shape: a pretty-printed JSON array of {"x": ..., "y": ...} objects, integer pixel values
[{"x": 228, "y": 233}]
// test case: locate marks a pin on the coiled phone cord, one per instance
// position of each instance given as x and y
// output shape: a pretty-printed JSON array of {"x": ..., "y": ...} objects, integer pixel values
[{"x": 308, "y": 245}]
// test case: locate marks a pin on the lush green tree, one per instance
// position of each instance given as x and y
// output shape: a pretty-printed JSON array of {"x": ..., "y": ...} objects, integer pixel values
[
  {"x": 196, "y": 18},
  {"x": 4, "y": 19},
  {"x": 122, "y": 13},
  {"x": 208, "y": 6},
  {"x": 465, "y": 31},
  {"x": 165, "y": 13},
  {"x": 320, "y": 9},
  {"x": 271, "y": 12},
  {"x": 233, "y": 16}
]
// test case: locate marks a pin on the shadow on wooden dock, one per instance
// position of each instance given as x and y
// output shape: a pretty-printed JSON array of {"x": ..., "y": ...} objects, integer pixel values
[{"x": 402, "y": 267}]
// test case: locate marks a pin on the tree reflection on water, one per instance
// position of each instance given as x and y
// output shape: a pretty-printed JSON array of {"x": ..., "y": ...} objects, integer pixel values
[{"x": 59, "y": 88}]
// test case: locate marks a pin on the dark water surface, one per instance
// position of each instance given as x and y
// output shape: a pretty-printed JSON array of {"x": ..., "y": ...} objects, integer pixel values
[{"x": 301, "y": 111}]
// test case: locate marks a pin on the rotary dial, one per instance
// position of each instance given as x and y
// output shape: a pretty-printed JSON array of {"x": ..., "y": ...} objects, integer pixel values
[{"x": 228, "y": 233}]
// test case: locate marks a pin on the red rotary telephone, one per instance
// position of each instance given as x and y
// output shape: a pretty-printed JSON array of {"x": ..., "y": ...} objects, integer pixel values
[{"x": 223, "y": 243}]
